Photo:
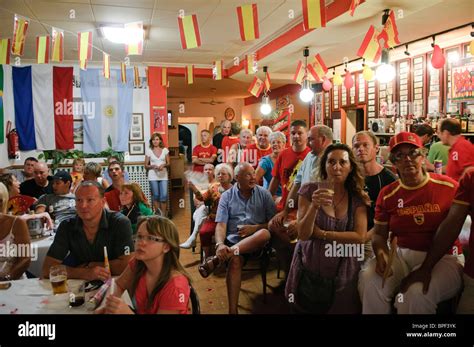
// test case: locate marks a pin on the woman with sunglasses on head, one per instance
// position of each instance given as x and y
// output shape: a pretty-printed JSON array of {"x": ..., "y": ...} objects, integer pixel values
[
  {"x": 155, "y": 279},
  {"x": 411, "y": 208}
]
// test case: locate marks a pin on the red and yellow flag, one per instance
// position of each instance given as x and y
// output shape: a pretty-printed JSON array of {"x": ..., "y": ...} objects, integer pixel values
[
  {"x": 251, "y": 64},
  {"x": 84, "y": 47},
  {"x": 217, "y": 70},
  {"x": 19, "y": 34},
  {"x": 42, "y": 49},
  {"x": 106, "y": 65},
  {"x": 123, "y": 72},
  {"x": 354, "y": 4},
  {"x": 189, "y": 72},
  {"x": 320, "y": 66},
  {"x": 5, "y": 51},
  {"x": 390, "y": 32},
  {"x": 83, "y": 64},
  {"x": 134, "y": 33},
  {"x": 136, "y": 77},
  {"x": 256, "y": 87},
  {"x": 164, "y": 77},
  {"x": 57, "y": 53},
  {"x": 189, "y": 31},
  {"x": 314, "y": 14},
  {"x": 248, "y": 22},
  {"x": 370, "y": 49},
  {"x": 299, "y": 74},
  {"x": 267, "y": 82},
  {"x": 312, "y": 75}
]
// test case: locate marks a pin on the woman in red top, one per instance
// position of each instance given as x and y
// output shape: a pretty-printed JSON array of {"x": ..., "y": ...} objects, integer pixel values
[{"x": 155, "y": 279}]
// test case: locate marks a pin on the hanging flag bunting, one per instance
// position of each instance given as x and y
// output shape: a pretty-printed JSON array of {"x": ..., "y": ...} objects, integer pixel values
[
  {"x": 19, "y": 34},
  {"x": 57, "y": 53},
  {"x": 136, "y": 76},
  {"x": 189, "y": 72},
  {"x": 267, "y": 82},
  {"x": 299, "y": 75},
  {"x": 42, "y": 49},
  {"x": 312, "y": 75},
  {"x": 320, "y": 67},
  {"x": 390, "y": 32},
  {"x": 189, "y": 31},
  {"x": 354, "y": 4},
  {"x": 164, "y": 77},
  {"x": 370, "y": 49},
  {"x": 123, "y": 72},
  {"x": 134, "y": 33},
  {"x": 106, "y": 65},
  {"x": 217, "y": 70},
  {"x": 314, "y": 14},
  {"x": 248, "y": 22},
  {"x": 5, "y": 51},
  {"x": 84, "y": 47},
  {"x": 251, "y": 64},
  {"x": 256, "y": 87}
]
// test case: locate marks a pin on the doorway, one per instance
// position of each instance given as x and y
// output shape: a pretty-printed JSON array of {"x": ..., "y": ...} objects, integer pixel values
[
  {"x": 185, "y": 142},
  {"x": 353, "y": 121}
]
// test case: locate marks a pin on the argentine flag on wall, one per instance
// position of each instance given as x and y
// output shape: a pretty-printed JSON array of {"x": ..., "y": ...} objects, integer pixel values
[{"x": 111, "y": 105}]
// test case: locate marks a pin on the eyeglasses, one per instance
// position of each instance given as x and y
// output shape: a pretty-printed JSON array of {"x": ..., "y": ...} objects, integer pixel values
[
  {"x": 147, "y": 238},
  {"x": 413, "y": 154}
]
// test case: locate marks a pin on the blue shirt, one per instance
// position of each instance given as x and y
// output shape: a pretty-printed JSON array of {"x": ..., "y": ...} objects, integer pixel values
[
  {"x": 235, "y": 210},
  {"x": 266, "y": 164}
]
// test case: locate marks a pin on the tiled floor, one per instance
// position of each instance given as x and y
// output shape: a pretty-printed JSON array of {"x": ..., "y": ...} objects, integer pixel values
[{"x": 212, "y": 290}]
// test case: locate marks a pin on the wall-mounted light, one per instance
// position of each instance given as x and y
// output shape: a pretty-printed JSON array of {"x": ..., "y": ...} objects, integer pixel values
[
  {"x": 245, "y": 123},
  {"x": 306, "y": 93},
  {"x": 406, "y": 50},
  {"x": 385, "y": 72}
]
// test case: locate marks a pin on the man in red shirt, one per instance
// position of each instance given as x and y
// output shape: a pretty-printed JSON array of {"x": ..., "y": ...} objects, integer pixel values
[
  {"x": 205, "y": 153},
  {"x": 448, "y": 232},
  {"x": 461, "y": 153},
  {"x": 262, "y": 147}
]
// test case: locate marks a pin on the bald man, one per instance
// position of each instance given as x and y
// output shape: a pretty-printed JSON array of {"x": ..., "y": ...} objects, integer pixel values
[{"x": 39, "y": 185}]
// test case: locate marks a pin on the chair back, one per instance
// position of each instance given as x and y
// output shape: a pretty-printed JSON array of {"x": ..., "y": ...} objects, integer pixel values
[{"x": 196, "y": 308}]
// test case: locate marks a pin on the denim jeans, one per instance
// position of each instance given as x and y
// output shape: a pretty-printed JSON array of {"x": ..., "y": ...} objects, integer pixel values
[{"x": 159, "y": 190}]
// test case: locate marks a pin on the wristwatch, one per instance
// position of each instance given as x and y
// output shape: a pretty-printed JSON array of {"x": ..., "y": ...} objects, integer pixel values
[{"x": 218, "y": 244}]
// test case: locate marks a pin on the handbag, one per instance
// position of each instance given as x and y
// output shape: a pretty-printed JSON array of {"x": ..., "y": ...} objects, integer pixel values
[{"x": 315, "y": 293}]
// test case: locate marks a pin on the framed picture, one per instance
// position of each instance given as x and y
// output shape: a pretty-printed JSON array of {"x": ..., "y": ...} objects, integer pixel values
[
  {"x": 136, "y": 128},
  {"x": 78, "y": 130},
  {"x": 136, "y": 148}
]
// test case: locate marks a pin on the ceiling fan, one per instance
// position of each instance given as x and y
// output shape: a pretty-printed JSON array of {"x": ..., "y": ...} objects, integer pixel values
[{"x": 212, "y": 102}]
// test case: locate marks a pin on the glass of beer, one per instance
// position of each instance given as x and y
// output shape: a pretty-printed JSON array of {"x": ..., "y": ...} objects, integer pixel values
[
  {"x": 58, "y": 279},
  {"x": 328, "y": 186}
]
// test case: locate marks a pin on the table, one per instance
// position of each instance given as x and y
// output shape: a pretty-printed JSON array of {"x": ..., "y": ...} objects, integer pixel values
[
  {"x": 41, "y": 246},
  {"x": 34, "y": 296}
]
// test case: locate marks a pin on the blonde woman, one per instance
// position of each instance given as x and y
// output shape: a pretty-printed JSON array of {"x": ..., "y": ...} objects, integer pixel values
[
  {"x": 93, "y": 172},
  {"x": 265, "y": 167}
]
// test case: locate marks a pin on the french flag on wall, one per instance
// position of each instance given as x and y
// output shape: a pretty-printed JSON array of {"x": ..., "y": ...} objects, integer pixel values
[{"x": 40, "y": 97}]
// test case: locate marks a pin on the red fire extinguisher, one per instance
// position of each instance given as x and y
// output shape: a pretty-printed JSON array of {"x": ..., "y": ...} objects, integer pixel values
[{"x": 12, "y": 140}]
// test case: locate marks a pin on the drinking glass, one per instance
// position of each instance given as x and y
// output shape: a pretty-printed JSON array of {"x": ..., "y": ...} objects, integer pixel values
[{"x": 58, "y": 279}]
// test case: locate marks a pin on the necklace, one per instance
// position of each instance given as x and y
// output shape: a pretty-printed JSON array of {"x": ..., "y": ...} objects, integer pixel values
[{"x": 343, "y": 196}]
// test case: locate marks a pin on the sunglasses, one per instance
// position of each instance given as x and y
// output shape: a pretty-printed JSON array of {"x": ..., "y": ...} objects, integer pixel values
[
  {"x": 413, "y": 154},
  {"x": 147, "y": 238}
]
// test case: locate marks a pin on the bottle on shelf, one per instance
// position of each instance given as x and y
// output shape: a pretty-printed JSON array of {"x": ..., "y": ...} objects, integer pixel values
[
  {"x": 398, "y": 125},
  {"x": 464, "y": 123}
]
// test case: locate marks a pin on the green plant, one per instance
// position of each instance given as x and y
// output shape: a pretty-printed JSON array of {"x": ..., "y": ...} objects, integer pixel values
[{"x": 58, "y": 157}]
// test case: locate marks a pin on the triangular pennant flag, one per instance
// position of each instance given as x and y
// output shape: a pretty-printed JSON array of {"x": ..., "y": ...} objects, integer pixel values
[
  {"x": 57, "y": 52},
  {"x": 299, "y": 74},
  {"x": 164, "y": 77},
  {"x": 123, "y": 72},
  {"x": 106, "y": 65},
  {"x": 267, "y": 82},
  {"x": 42, "y": 49},
  {"x": 217, "y": 70},
  {"x": 256, "y": 87},
  {"x": 354, "y": 4},
  {"x": 189, "y": 31},
  {"x": 248, "y": 22},
  {"x": 390, "y": 32},
  {"x": 251, "y": 64},
  {"x": 84, "y": 47},
  {"x": 134, "y": 33},
  {"x": 189, "y": 72},
  {"x": 370, "y": 48},
  {"x": 136, "y": 77},
  {"x": 320, "y": 67},
  {"x": 19, "y": 34},
  {"x": 5, "y": 51},
  {"x": 312, "y": 75},
  {"x": 314, "y": 14}
]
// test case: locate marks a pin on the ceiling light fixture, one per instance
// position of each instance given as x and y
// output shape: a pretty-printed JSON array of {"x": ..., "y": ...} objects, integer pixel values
[
  {"x": 118, "y": 34},
  {"x": 306, "y": 93},
  {"x": 265, "y": 107},
  {"x": 385, "y": 72}
]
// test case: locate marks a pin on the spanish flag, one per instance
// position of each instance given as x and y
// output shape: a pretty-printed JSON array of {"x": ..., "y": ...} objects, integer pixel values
[
  {"x": 267, "y": 81},
  {"x": 42, "y": 49},
  {"x": 248, "y": 22},
  {"x": 123, "y": 72},
  {"x": 189, "y": 31},
  {"x": 84, "y": 47},
  {"x": 136, "y": 77},
  {"x": 251, "y": 65},
  {"x": 135, "y": 33},
  {"x": 370, "y": 49},
  {"x": 164, "y": 77},
  {"x": 106, "y": 65},
  {"x": 390, "y": 32},
  {"x": 354, "y": 4},
  {"x": 299, "y": 74},
  {"x": 256, "y": 87},
  {"x": 314, "y": 14},
  {"x": 312, "y": 75},
  {"x": 320, "y": 66},
  {"x": 217, "y": 70},
  {"x": 5, "y": 51},
  {"x": 19, "y": 35},
  {"x": 57, "y": 36},
  {"x": 189, "y": 74}
]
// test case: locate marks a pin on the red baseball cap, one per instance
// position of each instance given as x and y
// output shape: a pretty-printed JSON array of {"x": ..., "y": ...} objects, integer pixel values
[{"x": 405, "y": 137}]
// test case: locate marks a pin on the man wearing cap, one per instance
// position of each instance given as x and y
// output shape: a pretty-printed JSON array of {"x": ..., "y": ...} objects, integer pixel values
[
  {"x": 412, "y": 209},
  {"x": 39, "y": 185},
  {"x": 61, "y": 205}
]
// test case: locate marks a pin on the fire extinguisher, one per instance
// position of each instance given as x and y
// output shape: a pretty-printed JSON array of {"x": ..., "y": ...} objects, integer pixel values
[{"x": 12, "y": 140}]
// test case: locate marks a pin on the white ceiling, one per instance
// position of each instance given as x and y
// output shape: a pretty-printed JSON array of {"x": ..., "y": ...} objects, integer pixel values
[{"x": 220, "y": 34}]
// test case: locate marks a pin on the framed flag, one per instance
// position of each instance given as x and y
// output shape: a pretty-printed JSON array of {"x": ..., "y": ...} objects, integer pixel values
[{"x": 136, "y": 128}]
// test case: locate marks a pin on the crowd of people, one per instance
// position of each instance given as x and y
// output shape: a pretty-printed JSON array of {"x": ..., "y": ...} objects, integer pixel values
[{"x": 351, "y": 235}]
